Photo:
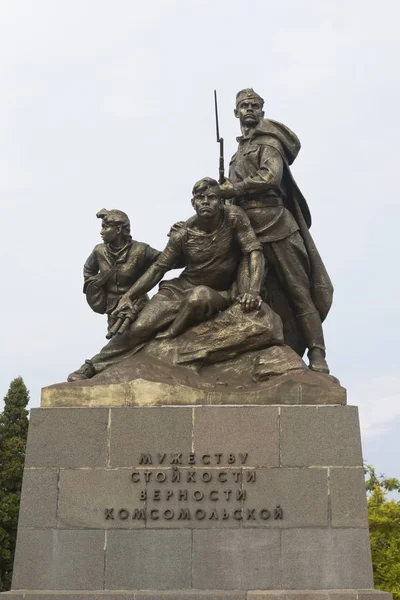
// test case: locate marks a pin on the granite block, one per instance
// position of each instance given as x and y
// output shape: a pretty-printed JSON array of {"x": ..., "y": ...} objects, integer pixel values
[
  {"x": 153, "y": 429},
  {"x": 185, "y": 499},
  {"x": 303, "y": 595},
  {"x": 53, "y": 559},
  {"x": 144, "y": 559},
  {"x": 233, "y": 430},
  {"x": 85, "y": 494},
  {"x": 236, "y": 559},
  {"x": 67, "y": 437},
  {"x": 326, "y": 558},
  {"x": 301, "y": 493},
  {"x": 348, "y": 498},
  {"x": 38, "y": 506},
  {"x": 320, "y": 436},
  {"x": 190, "y": 595}
]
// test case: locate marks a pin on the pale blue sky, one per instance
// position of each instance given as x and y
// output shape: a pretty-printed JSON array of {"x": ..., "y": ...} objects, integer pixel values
[{"x": 109, "y": 104}]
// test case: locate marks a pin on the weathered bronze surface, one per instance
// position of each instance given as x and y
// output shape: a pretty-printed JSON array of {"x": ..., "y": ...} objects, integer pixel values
[
  {"x": 252, "y": 280},
  {"x": 297, "y": 284}
]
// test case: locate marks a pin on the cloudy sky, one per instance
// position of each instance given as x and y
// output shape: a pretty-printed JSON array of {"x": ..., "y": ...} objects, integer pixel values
[{"x": 109, "y": 104}]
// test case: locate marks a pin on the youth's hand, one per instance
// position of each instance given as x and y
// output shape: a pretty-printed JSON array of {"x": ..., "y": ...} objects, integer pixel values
[
  {"x": 124, "y": 305},
  {"x": 250, "y": 301}
]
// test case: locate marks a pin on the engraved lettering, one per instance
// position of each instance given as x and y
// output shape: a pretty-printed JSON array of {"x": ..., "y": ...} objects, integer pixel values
[
  {"x": 176, "y": 459},
  {"x": 214, "y": 495},
  {"x": 264, "y": 514},
  {"x": 161, "y": 458},
  {"x": 156, "y": 495},
  {"x": 192, "y": 459},
  {"x": 243, "y": 457},
  {"x": 213, "y": 515},
  {"x": 135, "y": 477},
  {"x": 278, "y": 512},
  {"x": 147, "y": 476},
  {"x": 198, "y": 495},
  {"x": 145, "y": 459},
  {"x": 225, "y": 514},
  {"x": 238, "y": 514},
  {"x": 168, "y": 514},
  {"x": 206, "y": 459},
  {"x": 250, "y": 476},
  {"x": 123, "y": 514},
  {"x": 227, "y": 494},
  {"x": 109, "y": 514},
  {"x": 231, "y": 459},
  {"x": 237, "y": 476},
  {"x": 143, "y": 495},
  {"x": 169, "y": 494},
  {"x": 191, "y": 477},
  {"x": 184, "y": 514},
  {"x": 176, "y": 475},
  {"x": 222, "y": 477},
  {"x": 251, "y": 514},
  {"x": 218, "y": 457},
  {"x": 200, "y": 514},
  {"x": 139, "y": 513},
  {"x": 240, "y": 494},
  {"x": 206, "y": 476},
  {"x": 154, "y": 514},
  {"x": 161, "y": 476},
  {"x": 183, "y": 495}
]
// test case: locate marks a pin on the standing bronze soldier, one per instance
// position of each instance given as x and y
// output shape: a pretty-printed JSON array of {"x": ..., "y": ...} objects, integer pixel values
[{"x": 260, "y": 182}]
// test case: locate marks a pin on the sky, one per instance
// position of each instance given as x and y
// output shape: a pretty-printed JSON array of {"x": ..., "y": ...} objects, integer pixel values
[{"x": 110, "y": 104}]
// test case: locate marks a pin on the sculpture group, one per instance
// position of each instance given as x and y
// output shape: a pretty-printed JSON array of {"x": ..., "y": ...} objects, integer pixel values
[{"x": 247, "y": 245}]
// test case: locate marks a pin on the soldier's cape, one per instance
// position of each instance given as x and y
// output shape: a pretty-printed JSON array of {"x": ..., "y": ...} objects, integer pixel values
[{"x": 275, "y": 134}]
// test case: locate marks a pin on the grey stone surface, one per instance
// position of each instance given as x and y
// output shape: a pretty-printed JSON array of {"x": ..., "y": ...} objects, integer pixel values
[
  {"x": 320, "y": 436},
  {"x": 252, "y": 429},
  {"x": 301, "y": 493},
  {"x": 67, "y": 437},
  {"x": 348, "y": 498},
  {"x": 143, "y": 559},
  {"x": 38, "y": 506},
  {"x": 86, "y": 493},
  {"x": 236, "y": 559},
  {"x": 139, "y": 430},
  {"x": 206, "y": 503},
  {"x": 303, "y": 595},
  {"x": 53, "y": 559},
  {"x": 190, "y": 595},
  {"x": 326, "y": 558},
  {"x": 373, "y": 595},
  {"x": 98, "y": 595}
]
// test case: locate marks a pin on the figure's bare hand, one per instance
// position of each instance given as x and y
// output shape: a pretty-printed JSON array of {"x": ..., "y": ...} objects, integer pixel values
[
  {"x": 125, "y": 305},
  {"x": 227, "y": 190},
  {"x": 250, "y": 301},
  {"x": 176, "y": 227}
]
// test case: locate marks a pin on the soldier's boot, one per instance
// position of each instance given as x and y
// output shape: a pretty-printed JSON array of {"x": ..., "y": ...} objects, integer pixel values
[
  {"x": 311, "y": 327},
  {"x": 86, "y": 371}
]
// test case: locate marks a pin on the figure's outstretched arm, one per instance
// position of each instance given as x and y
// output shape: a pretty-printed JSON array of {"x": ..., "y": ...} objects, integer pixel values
[
  {"x": 168, "y": 259},
  {"x": 251, "y": 300}
]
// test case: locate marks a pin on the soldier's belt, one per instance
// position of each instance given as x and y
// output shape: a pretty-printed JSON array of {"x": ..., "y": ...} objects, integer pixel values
[{"x": 260, "y": 202}]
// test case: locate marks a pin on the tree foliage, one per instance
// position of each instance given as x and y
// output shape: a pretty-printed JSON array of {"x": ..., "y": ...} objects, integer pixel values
[
  {"x": 384, "y": 526},
  {"x": 13, "y": 434}
]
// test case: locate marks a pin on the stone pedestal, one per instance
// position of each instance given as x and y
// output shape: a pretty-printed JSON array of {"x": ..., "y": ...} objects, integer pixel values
[{"x": 194, "y": 502}]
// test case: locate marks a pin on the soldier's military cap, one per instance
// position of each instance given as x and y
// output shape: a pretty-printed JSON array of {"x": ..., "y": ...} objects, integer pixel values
[{"x": 248, "y": 94}]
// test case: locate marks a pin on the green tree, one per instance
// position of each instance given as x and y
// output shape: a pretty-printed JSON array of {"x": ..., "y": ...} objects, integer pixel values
[
  {"x": 13, "y": 434},
  {"x": 384, "y": 526}
]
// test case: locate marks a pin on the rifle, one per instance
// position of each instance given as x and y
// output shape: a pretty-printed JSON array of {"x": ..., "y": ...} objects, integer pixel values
[{"x": 220, "y": 141}]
